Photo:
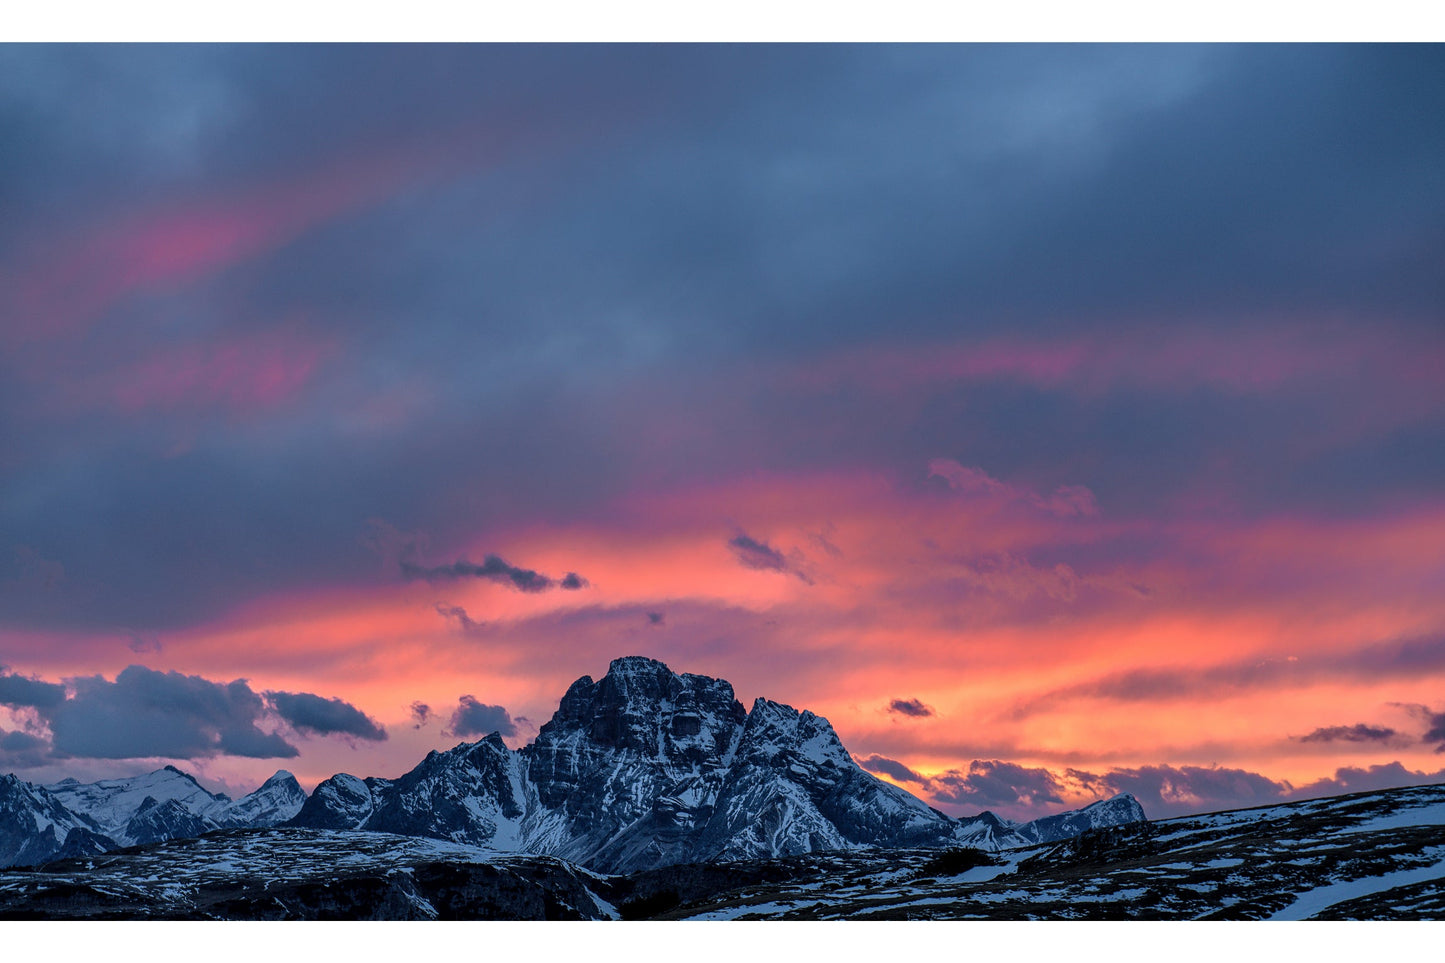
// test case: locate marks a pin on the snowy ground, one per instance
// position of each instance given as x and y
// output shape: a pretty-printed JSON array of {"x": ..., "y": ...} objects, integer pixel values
[{"x": 1369, "y": 856}]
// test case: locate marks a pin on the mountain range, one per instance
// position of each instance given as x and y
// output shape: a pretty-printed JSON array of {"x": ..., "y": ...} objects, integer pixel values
[{"x": 643, "y": 768}]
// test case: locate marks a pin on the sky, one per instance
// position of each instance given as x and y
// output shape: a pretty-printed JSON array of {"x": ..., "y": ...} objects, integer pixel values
[{"x": 1057, "y": 421}]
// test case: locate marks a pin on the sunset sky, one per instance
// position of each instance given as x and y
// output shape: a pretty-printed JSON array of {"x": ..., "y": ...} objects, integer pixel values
[{"x": 1056, "y": 420}]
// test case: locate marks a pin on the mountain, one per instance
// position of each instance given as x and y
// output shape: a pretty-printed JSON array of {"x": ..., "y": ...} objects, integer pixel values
[
  {"x": 646, "y": 767},
  {"x": 275, "y": 801},
  {"x": 73, "y": 819},
  {"x": 1374, "y": 856},
  {"x": 641, "y": 768},
  {"x": 171, "y": 804},
  {"x": 139, "y": 809},
  {"x": 34, "y": 825}
]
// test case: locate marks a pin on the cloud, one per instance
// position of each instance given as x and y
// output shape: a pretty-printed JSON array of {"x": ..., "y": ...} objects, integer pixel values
[
  {"x": 493, "y": 568},
  {"x": 19, "y": 691},
  {"x": 759, "y": 555},
  {"x": 1179, "y": 790},
  {"x": 460, "y": 614},
  {"x": 910, "y": 707},
  {"x": 1389, "y": 775},
  {"x": 422, "y": 713},
  {"x": 145, "y": 713},
  {"x": 1011, "y": 577},
  {"x": 1360, "y": 732},
  {"x": 1435, "y": 731},
  {"x": 319, "y": 716},
  {"x": 21, "y": 750},
  {"x": 1066, "y": 501},
  {"x": 993, "y": 783},
  {"x": 655, "y": 618},
  {"x": 473, "y": 718},
  {"x": 890, "y": 767}
]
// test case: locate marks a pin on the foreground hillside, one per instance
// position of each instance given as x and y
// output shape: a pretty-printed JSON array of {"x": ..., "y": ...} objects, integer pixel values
[{"x": 1375, "y": 856}]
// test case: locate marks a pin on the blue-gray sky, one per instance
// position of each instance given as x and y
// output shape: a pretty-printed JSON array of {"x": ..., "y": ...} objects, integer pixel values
[{"x": 284, "y": 329}]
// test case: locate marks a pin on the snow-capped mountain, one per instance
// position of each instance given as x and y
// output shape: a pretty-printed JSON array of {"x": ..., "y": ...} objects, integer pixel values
[
  {"x": 34, "y": 825},
  {"x": 171, "y": 804},
  {"x": 72, "y": 818},
  {"x": 641, "y": 768},
  {"x": 275, "y": 801},
  {"x": 646, "y": 767},
  {"x": 149, "y": 801}
]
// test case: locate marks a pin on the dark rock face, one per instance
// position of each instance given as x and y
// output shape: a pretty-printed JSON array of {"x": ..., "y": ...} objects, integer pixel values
[
  {"x": 156, "y": 822},
  {"x": 643, "y": 750},
  {"x": 470, "y": 794},
  {"x": 81, "y": 843},
  {"x": 341, "y": 802},
  {"x": 33, "y": 823}
]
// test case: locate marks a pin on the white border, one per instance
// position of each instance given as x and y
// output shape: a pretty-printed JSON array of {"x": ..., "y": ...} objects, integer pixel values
[{"x": 737, "y": 20}]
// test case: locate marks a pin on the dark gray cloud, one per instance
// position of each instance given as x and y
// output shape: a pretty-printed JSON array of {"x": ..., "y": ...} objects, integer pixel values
[
  {"x": 1359, "y": 732},
  {"x": 1166, "y": 791},
  {"x": 17, "y": 690},
  {"x": 145, "y": 713},
  {"x": 890, "y": 767},
  {"x": 421, "y": 712},
  {"x": 22, "y": 750},
  {"x": 473, "y": 718},
  {"x": 756, "y": 554},
  {"x": 1390, "y": 775},
  {"x": 910, "y": 707},
  {"x": 655, "y": 618},
  {"x": 1434, "y": 725},
  {"x": 319, "y": 716},
  {"x": 991, "y": 783},
  {"x": 493, "y": 568},
  {"x": 467, "y": 623}
]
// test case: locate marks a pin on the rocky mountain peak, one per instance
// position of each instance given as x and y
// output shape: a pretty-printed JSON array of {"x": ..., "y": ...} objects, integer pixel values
[
  {"x": 774, "y": 728},
  {"x": 641, "y": 706}
]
